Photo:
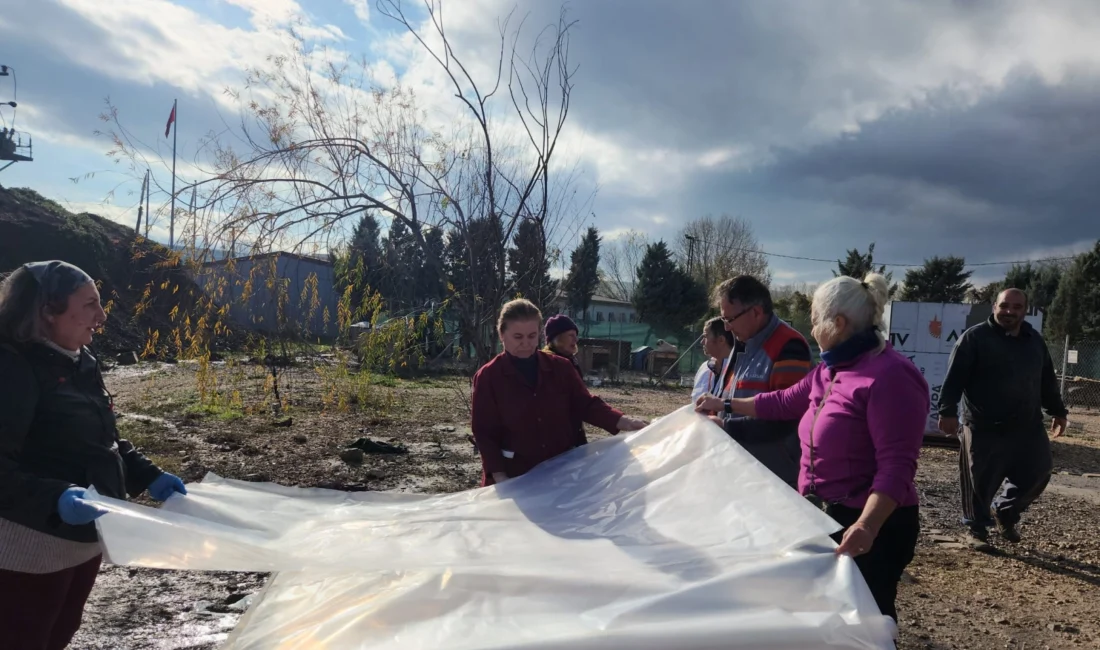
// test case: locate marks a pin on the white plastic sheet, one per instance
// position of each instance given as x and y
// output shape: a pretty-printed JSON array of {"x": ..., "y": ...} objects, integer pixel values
[{"x": 671, "y": 537}]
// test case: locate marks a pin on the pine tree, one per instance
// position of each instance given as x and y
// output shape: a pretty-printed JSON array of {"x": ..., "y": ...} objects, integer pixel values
[
  {"x": 584, "y": 274},
  {"x": 361, "y": 264},
  {"x": 403, "y": 259},
  {"x": 471, "y": 264},
  {"x": 1075, "y": 311},
  {"x": 430, "y": 286},
  {"x": 1040, "y": 282},
  {"x": 941, "y": 279},
  {"x": 984, "y": 295},
  {"x": 529, "y": 265},
  {"x": 858, "y": 265},
  {"x": 667, "y": 298}
]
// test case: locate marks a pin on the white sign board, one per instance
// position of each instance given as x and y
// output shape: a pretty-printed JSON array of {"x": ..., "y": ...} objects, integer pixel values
[
  {"x": 1072, "y": 356},
  {"x": 926, "y": 333}
]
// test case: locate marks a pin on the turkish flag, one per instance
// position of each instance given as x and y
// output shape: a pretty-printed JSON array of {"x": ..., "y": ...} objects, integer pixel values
[{"x": 171, "y": 121}]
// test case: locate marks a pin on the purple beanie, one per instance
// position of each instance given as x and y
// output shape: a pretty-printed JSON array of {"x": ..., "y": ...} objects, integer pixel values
[{"x": 559, "y": 324}]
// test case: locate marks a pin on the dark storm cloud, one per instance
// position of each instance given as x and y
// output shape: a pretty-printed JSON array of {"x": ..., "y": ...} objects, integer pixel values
[
  {"x": 951, "y": 156},
  {"x": 1013, "y": 172},
  {"x": 692, "y": 74}
]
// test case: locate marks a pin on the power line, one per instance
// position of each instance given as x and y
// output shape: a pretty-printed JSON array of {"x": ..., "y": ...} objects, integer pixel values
[{"x": 877, "y": 263}]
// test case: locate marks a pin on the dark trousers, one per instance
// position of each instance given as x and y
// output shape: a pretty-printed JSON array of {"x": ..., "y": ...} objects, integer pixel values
[
  {"x": 42, "y": 611},
  {"x": 990, "y": 457},
  {"x": 892, "y": 551}
]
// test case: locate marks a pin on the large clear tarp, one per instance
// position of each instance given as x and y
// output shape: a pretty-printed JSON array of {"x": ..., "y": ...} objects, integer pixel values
[{"x": 670, "y": 537}]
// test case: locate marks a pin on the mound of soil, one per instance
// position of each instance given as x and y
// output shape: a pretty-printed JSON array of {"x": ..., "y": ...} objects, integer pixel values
[{"x": 141, "y": 280}]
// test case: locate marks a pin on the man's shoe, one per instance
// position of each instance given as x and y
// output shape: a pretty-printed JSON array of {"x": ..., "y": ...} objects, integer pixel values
[
  {"x": 1008, "y": 532},
  {"x": 977, "y": 538}
]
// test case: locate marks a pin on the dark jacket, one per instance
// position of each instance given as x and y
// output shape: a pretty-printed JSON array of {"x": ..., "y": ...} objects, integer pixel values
[
  {"x": 57, "y": 430},
  {"x": 776, "y": 358},
  {"x": 569, "y": 358},
  {"x": 1004, "y": 381},
  {"x": 532, "y": 423},
  {"x": 582, "y": 437}
]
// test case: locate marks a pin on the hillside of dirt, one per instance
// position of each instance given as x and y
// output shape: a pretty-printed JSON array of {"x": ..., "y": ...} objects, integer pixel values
[{"x": 132, "y": 271}]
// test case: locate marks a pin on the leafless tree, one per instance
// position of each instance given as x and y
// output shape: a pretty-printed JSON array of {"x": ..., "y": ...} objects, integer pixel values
[
  {"x": 619, "y": 261},
  {"x": 720, "y": 248},
  {"x": 322, "y": 139}
]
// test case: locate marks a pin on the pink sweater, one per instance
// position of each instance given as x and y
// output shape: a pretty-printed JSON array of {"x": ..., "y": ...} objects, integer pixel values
[{"x": 868, "y": 435}]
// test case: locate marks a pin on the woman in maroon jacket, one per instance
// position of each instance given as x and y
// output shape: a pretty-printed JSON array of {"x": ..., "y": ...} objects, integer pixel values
[{"x": 525, "y": 401}]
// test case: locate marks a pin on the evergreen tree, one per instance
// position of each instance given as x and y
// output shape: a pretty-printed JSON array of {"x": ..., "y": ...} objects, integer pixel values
[
  {"x": 584, "y": 274},
  {"x": 985, "y": 294},
  {"x": 471, "y": 264},
  {"x": 941, "y": 279},
  {"x": 667, "y": 298},
  {"x": 857, "y": 265},
  {"x": 365, "y": 241},
  {"x": 1076, "y": 308},
  {"x": 403, "y": 259},
  {"x": 1040, "y": 282},
  {"x": 430, "y": 286},
  {"x": 529, "y": 265},
  {"x": 795, "y": 309},
  {"x": 360, "y": 264}
]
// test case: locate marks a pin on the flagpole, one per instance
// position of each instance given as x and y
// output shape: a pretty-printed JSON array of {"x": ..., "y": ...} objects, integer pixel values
[{"x": 172, "y": 218}]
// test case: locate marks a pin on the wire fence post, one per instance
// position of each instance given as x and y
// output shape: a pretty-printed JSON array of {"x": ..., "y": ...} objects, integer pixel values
[{"x": 1065, "y": 364}]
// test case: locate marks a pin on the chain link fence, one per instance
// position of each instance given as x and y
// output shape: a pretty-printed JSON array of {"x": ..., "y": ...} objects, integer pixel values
[{"x": 1077, "y": 365}]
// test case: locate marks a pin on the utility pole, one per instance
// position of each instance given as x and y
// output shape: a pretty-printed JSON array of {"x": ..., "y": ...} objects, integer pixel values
[
  {"x": 1065, "y": 363},
  {"x": 148, "y": 191},
  {"x": 172, "y": 214},
  {"x": 691, "y": 254},
  {"x": 194, "y": 223},
  {"x": 141, "y": 203}
]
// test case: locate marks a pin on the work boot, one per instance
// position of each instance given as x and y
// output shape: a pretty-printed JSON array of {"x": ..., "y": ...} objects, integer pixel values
[{"x": 1007, "y": 531}]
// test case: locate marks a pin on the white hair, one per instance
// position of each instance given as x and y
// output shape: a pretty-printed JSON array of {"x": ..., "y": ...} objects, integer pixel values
[{"x": 861, "y": 303}]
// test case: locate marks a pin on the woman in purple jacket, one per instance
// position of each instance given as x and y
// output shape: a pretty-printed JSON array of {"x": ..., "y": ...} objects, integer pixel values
[{"x": 863, "y": 414}]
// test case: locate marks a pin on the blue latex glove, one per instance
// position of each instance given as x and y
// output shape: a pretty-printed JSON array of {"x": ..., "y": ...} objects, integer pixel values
[
  {"x": 166, "y": 485},
  {"x": 75, "y": 510}
]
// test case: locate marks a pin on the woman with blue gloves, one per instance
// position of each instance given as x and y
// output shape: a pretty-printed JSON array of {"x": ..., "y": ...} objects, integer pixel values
[{"x": 57, "y": 437}]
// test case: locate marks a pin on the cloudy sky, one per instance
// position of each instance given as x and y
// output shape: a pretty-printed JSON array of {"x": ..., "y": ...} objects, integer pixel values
[{"x": 965, "y": 127}]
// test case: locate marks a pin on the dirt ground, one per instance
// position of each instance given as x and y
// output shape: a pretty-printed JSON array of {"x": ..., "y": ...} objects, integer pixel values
[{"x": 1041, "y": 593}]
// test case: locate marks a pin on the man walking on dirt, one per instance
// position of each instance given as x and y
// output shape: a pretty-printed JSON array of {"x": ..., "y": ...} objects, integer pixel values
[
  {"x": 1003, "y": 372},
  {"x": 770, "y": 355}
]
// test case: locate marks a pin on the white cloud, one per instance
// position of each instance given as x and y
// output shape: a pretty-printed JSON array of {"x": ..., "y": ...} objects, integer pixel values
[
  {"x": 321, "y": 32},
  {"x": 269, "y": 11},
  {"x": 157, "y": 41},
  {"x": 613, "y": 234},
  {"x": 45, "y": 128},
  {"x": 718, "y": 157},
  {"x": 361, "y": 8}
]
